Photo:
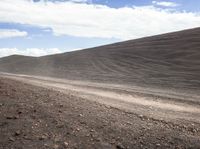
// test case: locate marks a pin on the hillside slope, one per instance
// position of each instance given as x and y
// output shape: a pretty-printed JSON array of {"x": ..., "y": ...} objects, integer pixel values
[{"x": 165, "y": 61}]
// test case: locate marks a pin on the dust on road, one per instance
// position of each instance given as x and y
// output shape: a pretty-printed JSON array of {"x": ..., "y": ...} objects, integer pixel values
[{"x": 143, "y": 104}]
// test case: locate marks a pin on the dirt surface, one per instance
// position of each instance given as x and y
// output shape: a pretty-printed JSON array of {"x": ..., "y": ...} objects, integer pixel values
[
  {"x": 146, "y": 101},
  {"x": 38, "y": 117}
]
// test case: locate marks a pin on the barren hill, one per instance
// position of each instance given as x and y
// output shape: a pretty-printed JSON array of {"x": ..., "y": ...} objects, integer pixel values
[{"x": 169, "y": 61}]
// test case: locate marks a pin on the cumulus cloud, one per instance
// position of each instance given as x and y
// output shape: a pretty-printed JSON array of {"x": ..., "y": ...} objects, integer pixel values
[
  {"x": 28, "y": 52},
  {"x": 10, "y": 33},
  {"x": 165, "y": 3},
  {"x": 91, "y": 20}
]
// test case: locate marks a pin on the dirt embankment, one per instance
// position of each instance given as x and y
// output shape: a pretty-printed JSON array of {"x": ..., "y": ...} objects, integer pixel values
[{"x": 35, "y": 117}]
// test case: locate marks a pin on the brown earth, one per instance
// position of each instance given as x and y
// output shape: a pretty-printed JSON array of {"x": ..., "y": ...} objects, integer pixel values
[{"x": 36, "y": 117}]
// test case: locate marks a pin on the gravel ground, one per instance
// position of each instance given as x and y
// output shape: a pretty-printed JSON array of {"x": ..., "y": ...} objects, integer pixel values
[{"x": 35, "y": 118}]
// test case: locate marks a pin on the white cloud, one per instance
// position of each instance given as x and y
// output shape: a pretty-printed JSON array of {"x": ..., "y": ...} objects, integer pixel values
[
  {"x": 165, "y": 3},
  {"x": 90, "y": 20},
  {"x": 80, "y": 1},
  {"x": 9, "y": 33},
  {"x": 28, "y": 52}
]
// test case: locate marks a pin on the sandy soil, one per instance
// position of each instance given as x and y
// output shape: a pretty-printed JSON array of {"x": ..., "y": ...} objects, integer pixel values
[{"x": 36, "y": 113}]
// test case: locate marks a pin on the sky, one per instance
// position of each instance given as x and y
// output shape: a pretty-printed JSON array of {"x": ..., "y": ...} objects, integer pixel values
[{"x": 42, "y": 27}]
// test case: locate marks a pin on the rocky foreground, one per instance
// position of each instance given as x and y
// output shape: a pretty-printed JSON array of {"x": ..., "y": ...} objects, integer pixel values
[{"x": 37, "y": 118}]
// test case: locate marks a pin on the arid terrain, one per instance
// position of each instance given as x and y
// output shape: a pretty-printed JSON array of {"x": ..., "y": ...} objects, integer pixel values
[{"x": 142, "y": 93}]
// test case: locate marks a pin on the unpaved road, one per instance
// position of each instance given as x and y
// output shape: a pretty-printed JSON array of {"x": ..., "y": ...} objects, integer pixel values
[
  {"x": 151, "y": 102},
  {"x": 41, "y": 112}
]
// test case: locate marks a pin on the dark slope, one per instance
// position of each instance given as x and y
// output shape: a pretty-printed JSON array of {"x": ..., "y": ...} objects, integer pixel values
[{"x": 168, "y": 61}]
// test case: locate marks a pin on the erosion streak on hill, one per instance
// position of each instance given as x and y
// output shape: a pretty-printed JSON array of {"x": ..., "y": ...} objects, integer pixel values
[{"x": 169, "y": 61}]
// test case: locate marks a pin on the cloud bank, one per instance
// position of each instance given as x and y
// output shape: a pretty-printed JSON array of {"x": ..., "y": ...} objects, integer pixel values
[
  {"x": 28, "y": 52},
  {"x": 10, "y": 33},
  {"x": 91, "y": 20},
  {"x": 165, "y": 3}
]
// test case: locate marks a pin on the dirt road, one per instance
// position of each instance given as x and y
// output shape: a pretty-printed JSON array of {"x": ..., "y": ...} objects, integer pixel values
[
  {"x": 42, "y": 112},
  {"x": 154, "y": 103}
]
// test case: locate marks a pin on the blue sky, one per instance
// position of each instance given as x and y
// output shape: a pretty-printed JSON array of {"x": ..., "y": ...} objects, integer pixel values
[{"x": 36, "y": 28}]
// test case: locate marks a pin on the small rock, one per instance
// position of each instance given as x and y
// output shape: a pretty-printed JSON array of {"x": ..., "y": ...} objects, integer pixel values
[
  {"x": 177, "y": 147},
  {"x": 184, "y": 126},
  {"x": 39, "y": 121},
  {"x": 11, "y": 139},
  {"x": 61, "y": 105},
  {"x": 43, "y": 137},
  {"x": 16, "y": 117},
  {"x": 17, "y": 133},
  {"x": 141, "y": 116},
  {"x": 119, "y": 146},
  {"x": 33, "y": 116},
  {"x": 3, "y": 124},
  {"x": 57, "y": 138},
  {"x": 87, "y": 135},
  {"x": 19, "y": 112},
  {"x": 98, "y": 139},
  {"x": 81, "y": 115},
  {"x": 46, "y": 145},
  {"x": 105, "y": 145},
  {"x": 66, "y": 144},
  {"x": 12, "y": 117},
  {"x": 60, "y": 125},
  {"x": 14, "y": 90},
  {"x": 129, "y": 123},
  {"x": 56, "y": 146},
  {"x": 68, "y": 133},
  {"x": 157, "y": 144},
  {"x": 9, "y": 117},
  {"x": 107, "y": 106},
  {"x": 118, "y": 138},
  {"x": 193, "y": 130},
  {"x": 82, "y": 122},
  {"x": 112, "y": 141},
  {"x": 26, "y": 137},
  {"x": 92, "y": 130}
]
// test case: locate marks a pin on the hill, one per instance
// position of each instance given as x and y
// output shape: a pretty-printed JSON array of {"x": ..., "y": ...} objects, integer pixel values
[{"x": 168, "y": 61}]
